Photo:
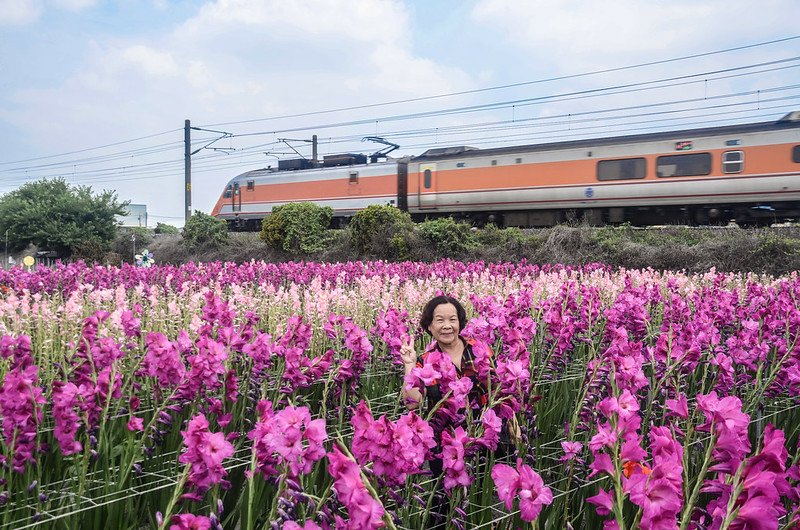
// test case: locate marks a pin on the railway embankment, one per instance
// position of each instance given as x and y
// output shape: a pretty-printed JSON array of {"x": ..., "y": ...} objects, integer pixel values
[{"x": 774, "y": 250}]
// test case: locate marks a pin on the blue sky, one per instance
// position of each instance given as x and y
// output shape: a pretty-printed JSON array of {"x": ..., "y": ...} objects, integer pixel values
[{"x": 80, "y": 74}]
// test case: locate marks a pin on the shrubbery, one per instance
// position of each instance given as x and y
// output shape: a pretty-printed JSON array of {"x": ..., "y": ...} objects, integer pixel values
[
  {"x": 448, "y": 237},
  {"x": 203, "y": 229},
  {"x": 297, "y": 227},
  {"x": 381, "y": 231},
  {"x": 162, "y": 228}
]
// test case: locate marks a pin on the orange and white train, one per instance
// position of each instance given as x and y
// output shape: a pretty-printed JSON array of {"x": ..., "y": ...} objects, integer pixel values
[{"x": 746, "y": 173}]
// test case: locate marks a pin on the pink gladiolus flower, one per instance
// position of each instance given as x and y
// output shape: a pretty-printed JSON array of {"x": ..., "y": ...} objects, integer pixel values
[
  {"x": 364, "y": 511},
  {"x": 21, "y": 403},
  {"x": 66, "y": 398},
  {"x": 492, "y": 426},
  {"x": 395, "y": 449},
  {"x": 289, "y": 437},
  {"x": 604, "y": 500},
  {"x": 525, "y": 483},
  {"x": 679, "y": 406},
  {"x": 187, "y": 521},
  {"x": 135, "y": 424},
  {"x": 455, "y": 471},
  {"x": 571, "y": 450},
  {"x": 308, "y": 525},
  {"x": 205, "y": 452}
]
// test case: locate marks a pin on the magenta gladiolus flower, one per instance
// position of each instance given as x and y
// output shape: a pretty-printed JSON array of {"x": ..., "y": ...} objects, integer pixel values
[
  {"x": 66, "y": 398},
  {"x": 187, "y": 521},
  {"x": 604, "y": 501},
  {"x": 492, "y": 426},
  {"x": 365, "y": 512},
  {"x": 522, "y": 482},
  {"x": 455, "y": 471},
  {"x": 679, "y": 406},
  {"x": 205, "y": 452},
  {"x": 21, "y": 403},
  {"x": 135, "y": 424},
  {"x": 289, "y": 437},
  {"x": 308, "y": 525},
  {"x": 571, "y": 450},
  {"x": 395, "y": 449}
]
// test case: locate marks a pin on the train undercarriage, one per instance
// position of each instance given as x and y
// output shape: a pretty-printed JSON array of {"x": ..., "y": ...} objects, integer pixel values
[{"x": 744, "y": 215}]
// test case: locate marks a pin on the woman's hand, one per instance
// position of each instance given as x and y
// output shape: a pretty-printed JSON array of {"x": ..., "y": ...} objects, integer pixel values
[{"x": 408, "y": 354}]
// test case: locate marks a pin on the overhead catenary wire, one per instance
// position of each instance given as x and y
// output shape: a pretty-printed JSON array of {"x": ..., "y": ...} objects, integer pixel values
[
  {"x": 516, "y": 85},
  {"x": 467, "y": 109},
  {"x": 516, "y": 130}
]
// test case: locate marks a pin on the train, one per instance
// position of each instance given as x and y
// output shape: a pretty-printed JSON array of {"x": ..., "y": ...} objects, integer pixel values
[{"x": 747, "y": 173}]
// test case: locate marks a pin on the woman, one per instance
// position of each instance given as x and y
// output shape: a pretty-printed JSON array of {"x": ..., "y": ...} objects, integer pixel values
[{"x": 444, "y": 317}]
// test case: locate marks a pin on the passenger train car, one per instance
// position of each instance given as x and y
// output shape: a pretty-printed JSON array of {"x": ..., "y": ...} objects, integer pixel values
[{"x": 746, "y": 173}]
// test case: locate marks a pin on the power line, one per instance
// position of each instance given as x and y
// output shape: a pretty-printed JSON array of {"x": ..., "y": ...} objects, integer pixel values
[
  {"x": 612, "y": 90},
  {"x": 165, "y": 147},
  {"x": 513, "y": 85},
  {"x": 91, "y": 148},
  {"x": 566, "y": 96}
]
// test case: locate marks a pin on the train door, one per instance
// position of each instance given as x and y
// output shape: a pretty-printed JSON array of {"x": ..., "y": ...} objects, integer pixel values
[
  {"x": 426, "y": 191},
  {"x": 234, "y": 193}
]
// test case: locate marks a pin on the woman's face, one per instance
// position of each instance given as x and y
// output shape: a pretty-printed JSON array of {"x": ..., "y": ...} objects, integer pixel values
[{"x": 444, "y": 326}]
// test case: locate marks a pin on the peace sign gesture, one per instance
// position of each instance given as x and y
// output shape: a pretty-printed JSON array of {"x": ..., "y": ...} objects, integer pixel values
[{"x": 407, "y": 352}]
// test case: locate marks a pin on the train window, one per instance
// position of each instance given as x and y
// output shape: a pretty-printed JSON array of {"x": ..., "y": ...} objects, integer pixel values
[
  {"x": 228, "y": 191},
  {"x": 796, "y": 154},
  {"x": 732, "y": 161},
  {"x": 461, "y": 164},
  {"x": 683, "y": 165},
  {"x": 427, "y": 179},
  {"x": 251, "y": 185},
  {"x": 519, "y": 160},
  {"x": 354, "y": 177},
  {"x": 494, "y": 162},
  {"x": 622, "y": 169}
]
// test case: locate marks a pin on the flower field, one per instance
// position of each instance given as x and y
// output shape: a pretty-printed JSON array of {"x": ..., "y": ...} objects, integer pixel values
[{"x": 261, "y": 396}]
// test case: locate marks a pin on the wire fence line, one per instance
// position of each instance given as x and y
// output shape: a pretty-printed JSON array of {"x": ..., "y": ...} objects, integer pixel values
[{"x": 156, "y": 476}]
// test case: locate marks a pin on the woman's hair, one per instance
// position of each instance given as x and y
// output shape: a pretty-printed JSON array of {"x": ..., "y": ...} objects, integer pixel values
[{"x": 427, "y": 312}]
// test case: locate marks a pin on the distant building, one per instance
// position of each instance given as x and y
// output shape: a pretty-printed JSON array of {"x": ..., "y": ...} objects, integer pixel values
[{"x": 137, "y": 216}]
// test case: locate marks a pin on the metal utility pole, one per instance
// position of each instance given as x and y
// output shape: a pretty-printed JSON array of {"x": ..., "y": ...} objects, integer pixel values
[
  {"x": 187, "y": 159},
  {"x": 314, "y": 149},
  {"x": 313, "y": 143},
  {"x": 187, "y": 168}
]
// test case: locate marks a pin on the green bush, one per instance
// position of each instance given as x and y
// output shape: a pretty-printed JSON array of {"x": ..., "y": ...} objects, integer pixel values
[
  {"x": 91, "y": 250},
  {"x": 297, "y": 227},
  {"x": 381, "y": 231},
  {"x": 204, "y": 230},
  {"x": 448, "y": 237},
  {"x": 162, "y": 228}
]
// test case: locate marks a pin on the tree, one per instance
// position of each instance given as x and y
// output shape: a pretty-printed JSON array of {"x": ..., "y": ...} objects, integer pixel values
[{"x": 54, "y": 215}]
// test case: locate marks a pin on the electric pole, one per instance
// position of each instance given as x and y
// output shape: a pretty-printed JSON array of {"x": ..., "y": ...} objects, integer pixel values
[
  {"x": 187, "y": 167},
  {"x": 187, "y": 159}
]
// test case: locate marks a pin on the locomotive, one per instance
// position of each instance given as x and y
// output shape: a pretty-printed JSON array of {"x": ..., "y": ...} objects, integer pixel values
[{"x": 747, "y": 173}]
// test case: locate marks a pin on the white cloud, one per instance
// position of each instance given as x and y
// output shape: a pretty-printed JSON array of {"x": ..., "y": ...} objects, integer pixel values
[
  {"x": 580, "y": 34},
  {"x": 151, "y": 61},
  {"x": 235, "y": 60},
  {"x": 19, "y": 12},
  {"x": 74, "y": 5}
]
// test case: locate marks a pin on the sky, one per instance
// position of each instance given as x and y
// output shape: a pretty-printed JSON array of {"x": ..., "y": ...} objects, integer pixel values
[{"x": 96, "y": 92}]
